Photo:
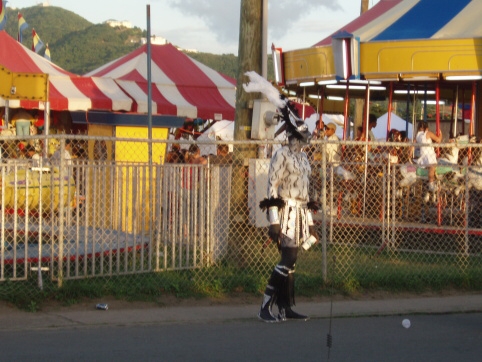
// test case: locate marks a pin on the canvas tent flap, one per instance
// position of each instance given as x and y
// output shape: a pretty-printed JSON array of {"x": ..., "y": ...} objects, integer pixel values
[
  {"x": 67, "y": 91},
  {"x": 180, "y": 85}
]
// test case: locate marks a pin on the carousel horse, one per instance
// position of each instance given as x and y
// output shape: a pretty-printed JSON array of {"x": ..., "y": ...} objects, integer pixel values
[
  {"x": 448, "y": 172},
  {"x": 474, "y": 173}
]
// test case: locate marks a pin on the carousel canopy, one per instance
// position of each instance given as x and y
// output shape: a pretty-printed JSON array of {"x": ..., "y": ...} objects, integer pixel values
[
  {"x": 416, "y": 19},
  {"x": 397, "y": 39},
  {"x": 181, "y": 86},
  {"x": 67, "y": 91}
]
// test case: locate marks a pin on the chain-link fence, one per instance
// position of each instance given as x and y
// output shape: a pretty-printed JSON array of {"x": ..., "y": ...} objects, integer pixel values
[{"x": 148, "y": 217}]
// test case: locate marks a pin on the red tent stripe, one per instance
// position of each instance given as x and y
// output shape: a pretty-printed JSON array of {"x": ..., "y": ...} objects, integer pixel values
[
  {"x": 106, "y": 69},
  {"x": 71, "y": 92},
  {"x": 99, "y": 100},
  {"x": 161, "y": 102},
  {"x": 196, "y": 89}
]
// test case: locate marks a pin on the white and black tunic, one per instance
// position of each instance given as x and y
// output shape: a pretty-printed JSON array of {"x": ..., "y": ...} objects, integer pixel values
[{"x": 288, "y": 179}]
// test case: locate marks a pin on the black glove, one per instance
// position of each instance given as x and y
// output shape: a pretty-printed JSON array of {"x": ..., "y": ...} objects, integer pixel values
[
  {"x": 274, "y": 232},
  {"x": 313, "y": 231}
]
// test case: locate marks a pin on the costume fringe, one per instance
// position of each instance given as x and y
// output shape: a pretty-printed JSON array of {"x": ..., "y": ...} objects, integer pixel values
[
  {"x": 314, "y": 206},
  {"x": 265, "y": 204}
]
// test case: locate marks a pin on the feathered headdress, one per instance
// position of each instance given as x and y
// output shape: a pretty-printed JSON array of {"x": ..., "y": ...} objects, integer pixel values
[{"x": 292, "y": 122}]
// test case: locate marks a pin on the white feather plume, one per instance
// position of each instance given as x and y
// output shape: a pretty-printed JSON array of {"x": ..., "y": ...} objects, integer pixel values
[{"x": 259, "y": 84}]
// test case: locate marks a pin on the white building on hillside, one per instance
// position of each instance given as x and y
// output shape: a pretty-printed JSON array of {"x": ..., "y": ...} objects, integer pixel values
[
  {"x": 158, "y": 40},
  {"x": 116, "y": 23}
]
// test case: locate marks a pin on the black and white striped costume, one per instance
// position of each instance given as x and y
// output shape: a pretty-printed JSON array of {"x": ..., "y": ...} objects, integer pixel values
[{"x": 288, "y": 179}]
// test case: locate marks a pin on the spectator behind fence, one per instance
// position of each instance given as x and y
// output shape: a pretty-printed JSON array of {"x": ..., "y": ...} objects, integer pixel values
[
  {"x": 428, "y": 157},
  {"x": 223, "y": 156},
  {"x": 67, "y": 155},
  {"x": 23, "y": 120},
  {"x": 333, "y": 149},
  {"x": 372, "y": 123},
  {"x": 319, "y": 131},
  {"x": 359, "y": 133},
  {"x": 175, "y": 155},
  {"x": 32, "y": 154},
  {"x": 194, "y": 156}
]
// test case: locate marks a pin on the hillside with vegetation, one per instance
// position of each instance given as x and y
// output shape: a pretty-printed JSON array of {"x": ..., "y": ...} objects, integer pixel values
[{"x": 80, "y": 46}]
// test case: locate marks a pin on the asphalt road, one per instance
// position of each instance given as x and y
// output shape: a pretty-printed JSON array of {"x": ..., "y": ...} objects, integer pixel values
[{"x": 439, "y": 337}]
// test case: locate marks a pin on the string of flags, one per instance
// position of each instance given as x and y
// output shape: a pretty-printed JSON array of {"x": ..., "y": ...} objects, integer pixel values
[
  {"x": 3, "y": 14},
  {"x": 37, "y": 44},
  {"x": 22, "y": 25}
]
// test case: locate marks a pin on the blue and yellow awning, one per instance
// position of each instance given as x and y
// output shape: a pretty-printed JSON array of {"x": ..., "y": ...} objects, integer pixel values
[{"x": 408, "y": 39}]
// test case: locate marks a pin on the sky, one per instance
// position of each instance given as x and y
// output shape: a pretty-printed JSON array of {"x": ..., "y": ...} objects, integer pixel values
[{"x": 212, "y": 26}]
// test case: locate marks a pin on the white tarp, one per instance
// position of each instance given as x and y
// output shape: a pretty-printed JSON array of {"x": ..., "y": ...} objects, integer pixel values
[{"x": 380, "y": 131}]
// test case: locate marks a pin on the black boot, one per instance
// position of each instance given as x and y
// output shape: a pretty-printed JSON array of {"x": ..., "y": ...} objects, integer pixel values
[
  {"x": 286, "y": 299},
  {"x": 275, "y": 282},
  {"x": 265, "y": 313}
]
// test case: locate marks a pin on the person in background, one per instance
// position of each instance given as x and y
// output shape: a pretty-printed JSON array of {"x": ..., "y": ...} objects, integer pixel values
[
  {"x": 194, "y": 156},
  {"x": 175, "y": 155},
  {"x": 428, "y": 157},
  {"x": 359, "y": 133},
  {"x": 223, "y": 156},
  {"x": 372, "y": 123},
  {"x": 32, "y": 154},
  {"x": 319, "y": 131},
  {"x": 187, "y": 132},
  {"x": 333, "y": 149},
  {"x": 3, "y": 124},
  {"x": 23, "y": 120},
  {"x": 67, "y": 155}
]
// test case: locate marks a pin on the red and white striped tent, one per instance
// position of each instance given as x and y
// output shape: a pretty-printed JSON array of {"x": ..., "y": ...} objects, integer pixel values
[
  {"x": 67, "y": 91},
  {"x": 181, "y": 86}
]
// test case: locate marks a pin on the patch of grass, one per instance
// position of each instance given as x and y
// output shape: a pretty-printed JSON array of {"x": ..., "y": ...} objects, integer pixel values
[{"x": 355, "y": 273}]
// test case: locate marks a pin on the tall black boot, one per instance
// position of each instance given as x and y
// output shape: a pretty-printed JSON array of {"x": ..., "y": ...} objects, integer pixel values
[
  {"x": 286, "y": 299},
  {"x": 276, "y": 280},
  {"x": 265, "y": 313}
]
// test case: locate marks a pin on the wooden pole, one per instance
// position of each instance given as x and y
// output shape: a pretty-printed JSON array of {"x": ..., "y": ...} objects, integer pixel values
[
  {"x": 249, "y": 59},
  {"x": 364, "y": 6}
]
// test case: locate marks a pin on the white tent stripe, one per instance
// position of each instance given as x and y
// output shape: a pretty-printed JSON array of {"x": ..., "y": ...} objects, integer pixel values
[
  {"x": 466, "y": 24},
  {"x": 171, "y": 93},
  {"x": 109, "y": 87},
  {"x": 224, "y": 87},
  {"x": 138, "y": 94},
  {"x": 77, "y": 101},
  {"x": 379, "y": 24},
  {"x": 181, "y": 86}
]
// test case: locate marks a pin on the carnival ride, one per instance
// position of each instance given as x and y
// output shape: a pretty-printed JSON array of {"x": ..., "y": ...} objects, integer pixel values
[{"x": 36, "y": 189}]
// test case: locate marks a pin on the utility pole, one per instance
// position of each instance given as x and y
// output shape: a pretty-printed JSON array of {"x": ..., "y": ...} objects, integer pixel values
[
  {"x": 364, "y": 6},
  {"x": 249, "y": 59}
]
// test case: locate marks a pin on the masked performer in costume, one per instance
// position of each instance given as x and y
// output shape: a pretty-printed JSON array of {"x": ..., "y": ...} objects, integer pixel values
[{"x": 289, "y": 214}]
